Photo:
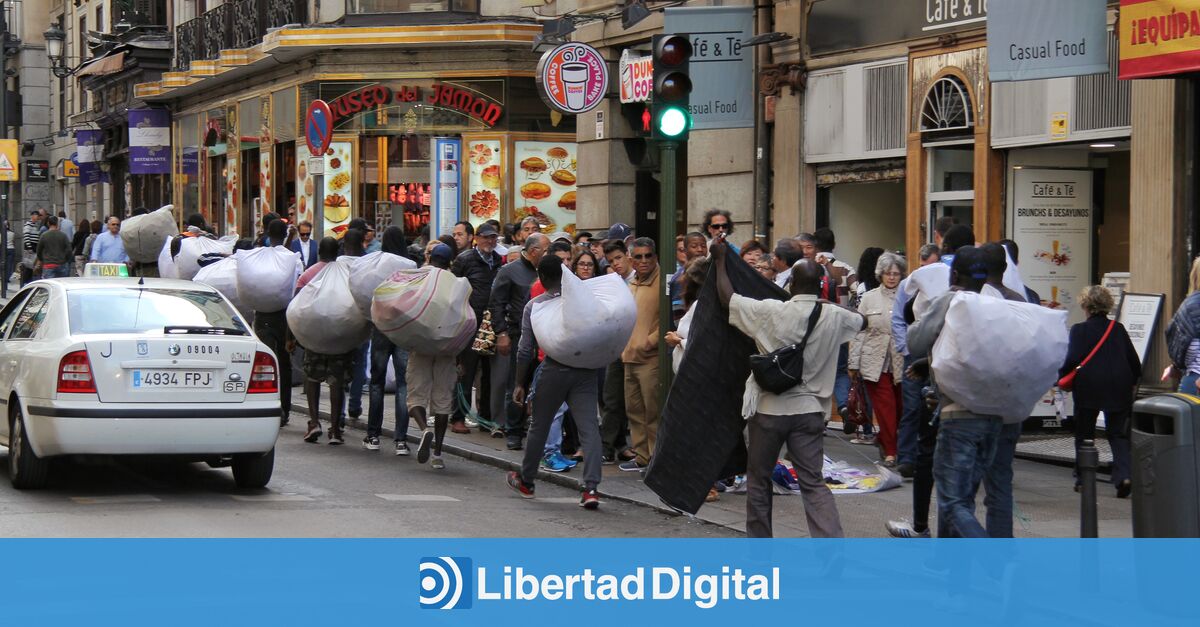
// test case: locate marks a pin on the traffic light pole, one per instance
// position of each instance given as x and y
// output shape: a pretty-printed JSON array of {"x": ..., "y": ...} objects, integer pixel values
[{"x": 666, "y": 254}]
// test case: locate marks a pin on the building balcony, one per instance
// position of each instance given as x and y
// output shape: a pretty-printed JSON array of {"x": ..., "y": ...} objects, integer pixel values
[{"x": 234, "y": 25}]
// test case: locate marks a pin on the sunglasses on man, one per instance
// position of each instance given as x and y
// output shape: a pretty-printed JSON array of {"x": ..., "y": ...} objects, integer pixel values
[
  {"x": 722, "y": 226},
  {"x": 643, "y": 256}
]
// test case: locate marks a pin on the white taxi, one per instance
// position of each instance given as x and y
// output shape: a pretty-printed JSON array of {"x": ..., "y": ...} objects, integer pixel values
[{"x": 127, "y": 366}]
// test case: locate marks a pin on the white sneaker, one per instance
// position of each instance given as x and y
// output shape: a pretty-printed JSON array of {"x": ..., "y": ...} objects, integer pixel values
[
  {"x": 429, "y": 421},
  {"x": 471, "y": 424},
  {"x": 904, "y": 529},
  {"x": 402, "y": 449}
]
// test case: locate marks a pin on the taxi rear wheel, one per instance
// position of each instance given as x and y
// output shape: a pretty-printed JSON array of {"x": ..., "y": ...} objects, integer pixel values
[
  {"x": 26, "y": 470},
  {"x": 253, "y": 470}
]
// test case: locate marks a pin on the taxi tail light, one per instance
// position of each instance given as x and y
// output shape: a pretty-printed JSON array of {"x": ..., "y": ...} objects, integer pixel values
[
  {"x": 75, "y": 374},
  {"x": 264, "y": 378}
]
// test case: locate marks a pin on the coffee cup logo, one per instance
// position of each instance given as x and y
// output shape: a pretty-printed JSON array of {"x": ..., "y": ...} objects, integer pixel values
[{"x": 573, "y": 78}]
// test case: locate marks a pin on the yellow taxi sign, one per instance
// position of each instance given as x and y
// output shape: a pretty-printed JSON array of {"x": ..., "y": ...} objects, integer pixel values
[
  {"x": 106, "y": 270},
  {"x": 9, "y": 160}
]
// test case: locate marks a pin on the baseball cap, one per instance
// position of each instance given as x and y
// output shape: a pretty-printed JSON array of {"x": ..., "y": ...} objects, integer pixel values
[
  {"x": 600, "y": 235},
  {"x": 557, "y": 235},
  {"x": 620, "y": 231},
  {"x": 441, "y": 252},
  {"x": 486, "y": 230}
]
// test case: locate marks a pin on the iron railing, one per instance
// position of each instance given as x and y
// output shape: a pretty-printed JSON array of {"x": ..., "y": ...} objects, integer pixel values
[{"x": 233, "y": 25}]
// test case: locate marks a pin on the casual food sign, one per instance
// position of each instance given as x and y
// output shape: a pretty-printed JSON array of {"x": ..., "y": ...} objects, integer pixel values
[
  {"x": 637, "y": 77},
  {"x": 1035, "y": 39},
  {"x": 572, "y": 78},
  {"x": 1159, "y": 37}
]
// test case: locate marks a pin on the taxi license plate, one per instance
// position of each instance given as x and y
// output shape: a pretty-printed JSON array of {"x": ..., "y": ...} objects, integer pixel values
[{"x": 143, "y": 379}]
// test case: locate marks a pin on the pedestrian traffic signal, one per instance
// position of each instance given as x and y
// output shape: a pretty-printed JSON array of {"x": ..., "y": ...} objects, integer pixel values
[{"x": 672, "y": 87}]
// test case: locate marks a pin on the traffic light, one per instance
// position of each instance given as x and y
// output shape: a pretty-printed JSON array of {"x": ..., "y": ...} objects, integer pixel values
[{"x": 672, "y": 87}]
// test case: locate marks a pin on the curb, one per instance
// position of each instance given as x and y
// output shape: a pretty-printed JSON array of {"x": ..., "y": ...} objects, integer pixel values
[{"x": 559, "y": 479}]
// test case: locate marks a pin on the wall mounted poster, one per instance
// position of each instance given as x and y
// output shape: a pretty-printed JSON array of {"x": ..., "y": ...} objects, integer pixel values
[
  {"x": 446, "y": 177},
  {"x": 485, "y": 180},
  {"x": 339, "y": 188},
  {"x": 1052, "y": 224},
  {"x": 544, "y": 184}
]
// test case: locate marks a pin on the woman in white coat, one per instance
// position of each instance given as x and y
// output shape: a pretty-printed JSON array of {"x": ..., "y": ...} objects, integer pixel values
[{"x": 873, "y": 354}]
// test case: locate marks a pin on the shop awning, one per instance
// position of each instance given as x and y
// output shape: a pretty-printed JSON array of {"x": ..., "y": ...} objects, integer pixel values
[{"x": 104, "y": 65}]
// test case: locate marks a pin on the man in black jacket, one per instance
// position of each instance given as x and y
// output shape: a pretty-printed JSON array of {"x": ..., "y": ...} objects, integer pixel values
[
  {"x": 479, "y": 266},
  {"x": 510, "y": 292}
]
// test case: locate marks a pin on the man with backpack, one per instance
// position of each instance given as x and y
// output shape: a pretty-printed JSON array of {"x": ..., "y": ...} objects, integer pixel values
[{"x": 795, "y": 416}]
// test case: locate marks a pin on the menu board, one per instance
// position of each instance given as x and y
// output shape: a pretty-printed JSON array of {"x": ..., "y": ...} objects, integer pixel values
[
  {"x": 545, "y": 184},
  {"x": 304, "y": 185},
  {"x": 1052, "y": 219},
  {"x": 485, "y": 179},
  {"x": 339, "y": 188}
]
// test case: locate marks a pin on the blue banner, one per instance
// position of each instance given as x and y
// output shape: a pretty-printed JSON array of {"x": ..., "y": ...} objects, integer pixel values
[
  {"x": 149, "y": 141},
  {"x": 593, "y": 582},
  {"x": 90, "y": 149},
  {"x": 1032, "y": 39}
]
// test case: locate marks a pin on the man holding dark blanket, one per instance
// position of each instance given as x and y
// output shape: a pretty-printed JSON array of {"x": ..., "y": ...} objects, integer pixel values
[{"x": 795, "y": 417}]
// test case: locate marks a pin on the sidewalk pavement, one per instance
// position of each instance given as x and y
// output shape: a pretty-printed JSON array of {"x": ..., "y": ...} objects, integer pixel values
[{"x": 1046, "y": 505}]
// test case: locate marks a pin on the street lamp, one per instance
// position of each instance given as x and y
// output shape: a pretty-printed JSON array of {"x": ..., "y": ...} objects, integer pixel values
[{"x": 55, "y": 38}]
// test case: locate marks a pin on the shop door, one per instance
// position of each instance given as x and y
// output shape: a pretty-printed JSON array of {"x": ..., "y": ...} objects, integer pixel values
[
  {"x": 217, "y": 193},
  {"x": 951, "y": 184},
  {"x": 252, "y": 209}
]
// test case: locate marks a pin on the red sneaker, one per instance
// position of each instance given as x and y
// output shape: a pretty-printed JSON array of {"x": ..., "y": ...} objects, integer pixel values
[
  {"x": 520, "y": 487},
  {"x": 589, "y": 500}
]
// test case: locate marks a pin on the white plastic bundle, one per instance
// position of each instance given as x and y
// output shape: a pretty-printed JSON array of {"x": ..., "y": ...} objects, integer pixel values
[
  {"x": 141, "y": 234},
  {"x": 222, "y": 276},
  {"x": 187, "y": 262},
  {"x": 370, "y": 271},
  {"x": 589, "y": 325},
  {"x": 166, "y": 265},
  {"x": 323, "y": 316},
  {"x": 425, "y": 310},
  {"x": 266, "y": 277},
  {"x": 999, "y": 357}
]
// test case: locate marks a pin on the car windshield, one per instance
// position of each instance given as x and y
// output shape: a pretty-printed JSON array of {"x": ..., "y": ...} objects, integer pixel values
[{"x": 144, "y": 309}]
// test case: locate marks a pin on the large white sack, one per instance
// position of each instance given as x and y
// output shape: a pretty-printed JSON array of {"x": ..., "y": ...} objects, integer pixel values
[
  {"x": 187, "y": 262},
  {"x": 222, "y": 276},
  {"x": 926, "y": 284},
  {"x": 370, "y": 271},
  {"x": 266, "y": 277},
  {"x": 166, "y": 265},
  {"x": 999, "y": 357},
  {"x": 425, "y": 310},
  {"x": 323, "y": 316},
  {"x": 589, "y": 325},
  {"x": 141, "y": 234}
]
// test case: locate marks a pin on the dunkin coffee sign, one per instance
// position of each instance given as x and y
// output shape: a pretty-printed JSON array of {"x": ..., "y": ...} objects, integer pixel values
[{"x": 572, "y": 78}]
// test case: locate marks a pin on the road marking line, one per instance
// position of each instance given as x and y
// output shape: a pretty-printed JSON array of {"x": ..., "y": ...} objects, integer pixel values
[
  {"x": 418, "y": 498},
  {"x": 269, "y": 498},
  {"x": 570, "y": 500},
  {"x": 115, "y": 500}
]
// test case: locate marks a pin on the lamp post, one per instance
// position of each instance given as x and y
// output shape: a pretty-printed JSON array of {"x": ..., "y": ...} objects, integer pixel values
[{"x": 55, "y": 39}]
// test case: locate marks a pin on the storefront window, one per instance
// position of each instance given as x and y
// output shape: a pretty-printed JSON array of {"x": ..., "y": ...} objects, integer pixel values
[
  {"x": 216, "y": 144},
  {"x": 189, "y": 163},
  {"x": 408, "y": 181},
  {"x": 951, "y": 185},
  {"x": 411, "y": 6}
]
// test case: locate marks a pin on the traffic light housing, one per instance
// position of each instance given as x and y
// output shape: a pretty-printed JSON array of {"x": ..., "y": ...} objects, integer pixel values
[{"x": 672, "y": 119}]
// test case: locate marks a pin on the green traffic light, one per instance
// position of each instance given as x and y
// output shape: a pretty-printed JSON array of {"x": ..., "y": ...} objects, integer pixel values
[{"x": 673, "y": 122}]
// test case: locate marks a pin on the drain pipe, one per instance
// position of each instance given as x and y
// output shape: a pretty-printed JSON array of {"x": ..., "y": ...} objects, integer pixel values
[{"x": 762, "y": 135}]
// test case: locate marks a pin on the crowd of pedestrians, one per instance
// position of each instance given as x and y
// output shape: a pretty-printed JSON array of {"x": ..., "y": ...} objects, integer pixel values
[{"x": 872, "y": 326}]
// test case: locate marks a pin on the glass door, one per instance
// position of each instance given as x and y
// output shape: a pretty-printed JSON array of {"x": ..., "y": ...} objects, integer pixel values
[{"x": 951, "y": 185}]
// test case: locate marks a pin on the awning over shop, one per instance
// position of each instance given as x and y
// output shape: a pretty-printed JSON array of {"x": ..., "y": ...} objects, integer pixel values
[{"x": 104, "y": 65}]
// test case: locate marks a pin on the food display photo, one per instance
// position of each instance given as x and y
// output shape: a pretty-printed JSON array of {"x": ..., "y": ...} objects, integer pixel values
[
  {"x": 485, "y": 180},
  {"x": 337, "y": 200},
  {"x": 545, "y": 184}
]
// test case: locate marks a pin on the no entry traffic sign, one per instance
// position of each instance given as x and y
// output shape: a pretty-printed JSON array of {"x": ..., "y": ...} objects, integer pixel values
[{"x": 318, "y": 127}]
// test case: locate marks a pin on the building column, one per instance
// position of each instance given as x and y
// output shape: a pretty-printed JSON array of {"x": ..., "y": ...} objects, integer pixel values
[{"x": 1157, "y": 196}]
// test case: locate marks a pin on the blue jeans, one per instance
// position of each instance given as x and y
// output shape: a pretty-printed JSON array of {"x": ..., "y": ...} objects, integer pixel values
[
  {"x": 965, "y": 449},
  {"x": 383, "y": 350},
  {"x": 358, "y": 378},
  {"x": 998, "y": 483},
  {"x": 908, "y": 434},
  {"x": 63, "y": 270},
  {"x": 1188, "y": 384},
  {"x": 841, "y": 384}
]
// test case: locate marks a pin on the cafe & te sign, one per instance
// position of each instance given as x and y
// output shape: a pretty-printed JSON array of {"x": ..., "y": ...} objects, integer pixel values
[{"x": 440, "y": 95}]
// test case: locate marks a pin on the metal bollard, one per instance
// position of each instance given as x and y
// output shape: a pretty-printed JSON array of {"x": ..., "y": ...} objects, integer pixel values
[{"x": 1089, "y": 461}]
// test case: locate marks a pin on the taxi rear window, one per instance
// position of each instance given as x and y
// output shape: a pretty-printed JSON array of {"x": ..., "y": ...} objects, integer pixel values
[{"x": 143, "y": 309}]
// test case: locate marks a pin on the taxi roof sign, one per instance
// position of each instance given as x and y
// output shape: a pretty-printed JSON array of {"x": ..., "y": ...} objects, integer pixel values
[{"x": 106, "y": 270}]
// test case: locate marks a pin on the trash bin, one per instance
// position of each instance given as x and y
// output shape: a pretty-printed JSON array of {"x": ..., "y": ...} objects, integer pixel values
[{"x": 1166, "y": 469}]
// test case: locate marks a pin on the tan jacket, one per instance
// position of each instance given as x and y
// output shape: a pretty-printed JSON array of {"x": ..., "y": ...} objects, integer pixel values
[
  {"x": 642, "y": 347},
  {"x": 869, "y": 348}
]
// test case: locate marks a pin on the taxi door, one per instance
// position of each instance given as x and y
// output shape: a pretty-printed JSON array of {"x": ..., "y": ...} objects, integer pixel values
[{"x": 11, "y": 351}]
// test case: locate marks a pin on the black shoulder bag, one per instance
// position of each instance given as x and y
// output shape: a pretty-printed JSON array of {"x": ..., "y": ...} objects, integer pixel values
[{"x": 781, "y": 370}]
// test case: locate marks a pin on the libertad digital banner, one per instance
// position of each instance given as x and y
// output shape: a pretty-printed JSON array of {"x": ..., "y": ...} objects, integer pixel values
[
  {"x": 1159, "y": 37},
  {"x": 514, "y": 581}
]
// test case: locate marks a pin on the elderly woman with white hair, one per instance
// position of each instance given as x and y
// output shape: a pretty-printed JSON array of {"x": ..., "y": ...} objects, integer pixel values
[{"x": 873, "y": 354}]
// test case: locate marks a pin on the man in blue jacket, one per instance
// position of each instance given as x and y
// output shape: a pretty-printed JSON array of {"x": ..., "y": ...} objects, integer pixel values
[{"x": 305, "y": 244}]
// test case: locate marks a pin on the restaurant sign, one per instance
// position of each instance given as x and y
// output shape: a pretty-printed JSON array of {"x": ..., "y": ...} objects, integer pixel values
[
  {"x": 440, "y": 95},
  {"x": 840, "y": 25},
  {"x": 1159, "y": 37}
]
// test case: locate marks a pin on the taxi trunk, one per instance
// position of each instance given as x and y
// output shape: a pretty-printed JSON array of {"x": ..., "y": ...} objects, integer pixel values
[{"x": 177, "y": 368}]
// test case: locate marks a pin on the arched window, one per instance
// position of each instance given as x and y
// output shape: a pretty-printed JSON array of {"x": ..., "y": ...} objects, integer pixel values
[{"x": 947, "y": 107}]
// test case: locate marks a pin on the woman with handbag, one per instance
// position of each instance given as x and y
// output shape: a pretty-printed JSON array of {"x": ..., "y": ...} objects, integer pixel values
[
  {"x": 873, "y": 354},
  {"x": 1101, "y": 372}
]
